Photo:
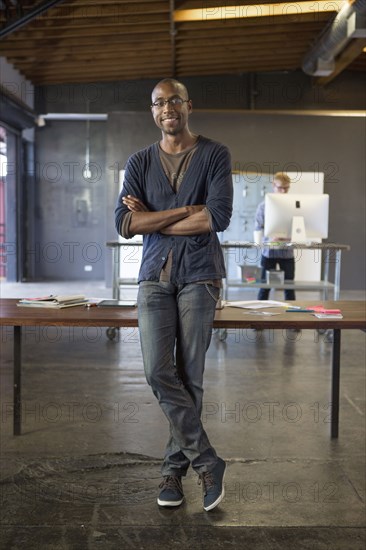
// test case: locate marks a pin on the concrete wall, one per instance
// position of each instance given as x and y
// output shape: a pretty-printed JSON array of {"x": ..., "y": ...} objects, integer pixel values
[
  {"x": 70, "y": 208},
  {"x": 263, "y": 91},
  {"x": 258, "y": 142},
  {"x": 15, "y": 83}
]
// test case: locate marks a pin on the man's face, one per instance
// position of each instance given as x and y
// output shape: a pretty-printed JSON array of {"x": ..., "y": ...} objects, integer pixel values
[
  {"x": 170, "y": 118},
  {"x": 280, "y": 186}
]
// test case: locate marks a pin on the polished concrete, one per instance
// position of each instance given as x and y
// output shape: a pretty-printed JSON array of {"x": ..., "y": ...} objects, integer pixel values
[{"x": 85, "y": 472}]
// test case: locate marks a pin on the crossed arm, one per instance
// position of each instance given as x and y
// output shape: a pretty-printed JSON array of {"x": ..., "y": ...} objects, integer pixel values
[{"x": 186, "y": 220}]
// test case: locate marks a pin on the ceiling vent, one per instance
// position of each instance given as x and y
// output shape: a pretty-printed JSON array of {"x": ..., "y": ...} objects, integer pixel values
[{"x": 350, "y": 23}]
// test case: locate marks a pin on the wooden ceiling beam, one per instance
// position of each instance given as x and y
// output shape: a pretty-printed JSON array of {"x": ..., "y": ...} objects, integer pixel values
[
  {"x": 173, "y": 37},
  {"x": 80, "y": 8},
  {"x": 8, "y": 46},
  {"x": 87, "y": 3},
  {"x": 14, "y": 46},
  {"x": 239, "y": 56},
  {"x": 192, "y": 4},
  {"x": 244, "y": 42},
  {"x": 272, "y": 22},
  {"x": 236, "y": 70},
  {"x": 81, "y": 52},
  {"x": 75, "y": 54},
  {"x": 77, "y": 10},
  {"x": 51, "y": 36},
  {"x": 60, "y": 25},
  {"x": 252, "y": 31},
  {"x": 98, "y": 65},
  {"x": 108, "y": 61},
  {"x": 283, "y": 57},
  {"x": 70, "y": 78},
  {"x": 54, "y": 25},
  {"x": 84, "y": 20},
  {"x": 100, "y": 68}
]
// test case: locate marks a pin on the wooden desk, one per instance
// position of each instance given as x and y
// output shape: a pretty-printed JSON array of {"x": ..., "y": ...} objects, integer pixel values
[{"x": 354, "y": 317}]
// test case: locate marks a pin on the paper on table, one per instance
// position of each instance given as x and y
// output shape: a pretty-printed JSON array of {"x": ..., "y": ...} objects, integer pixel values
[
  {"x": 260, "y": 312},
  {"x": 51, "y": 301},
  {"x": 54, "y": 299},
  {"x": 256, "y": 304},
  {"x": 328, "y": 315}
]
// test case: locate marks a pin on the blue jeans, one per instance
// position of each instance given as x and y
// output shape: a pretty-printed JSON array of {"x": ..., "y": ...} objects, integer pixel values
[{"x": 175, "y": 323}]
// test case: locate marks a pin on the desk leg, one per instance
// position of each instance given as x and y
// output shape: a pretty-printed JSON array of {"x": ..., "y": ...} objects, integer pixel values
[
  {"x": 17, "y": 402},
  {"x": 116, "y": 274},
  {"x": 336, "y": 364},
  {"x": 337, "y": 275}
]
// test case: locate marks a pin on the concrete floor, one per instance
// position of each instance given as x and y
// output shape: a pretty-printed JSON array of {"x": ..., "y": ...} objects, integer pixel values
[{"x": 85, "y": 472}]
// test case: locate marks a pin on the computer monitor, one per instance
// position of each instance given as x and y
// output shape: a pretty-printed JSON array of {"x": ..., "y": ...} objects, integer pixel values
[{"x": 299, "y": 218}]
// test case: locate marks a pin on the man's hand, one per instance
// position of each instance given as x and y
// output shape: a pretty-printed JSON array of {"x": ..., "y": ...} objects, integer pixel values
[{"x": 134, "y": 204}]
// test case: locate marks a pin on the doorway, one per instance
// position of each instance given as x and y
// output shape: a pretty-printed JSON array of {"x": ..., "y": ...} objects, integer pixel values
[{"x": 9, "y": 173}]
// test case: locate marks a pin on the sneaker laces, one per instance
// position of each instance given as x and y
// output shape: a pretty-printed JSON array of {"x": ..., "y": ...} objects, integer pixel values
[
  {"x": 171, "y": 482},
  {"x": 207, "y": 481}
]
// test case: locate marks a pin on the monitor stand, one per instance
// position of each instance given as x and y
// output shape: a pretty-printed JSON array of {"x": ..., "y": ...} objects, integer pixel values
[{"x": 298, "y": 233}]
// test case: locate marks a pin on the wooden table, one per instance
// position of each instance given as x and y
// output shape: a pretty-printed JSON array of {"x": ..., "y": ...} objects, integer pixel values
[{"x": 354, "y": 317}]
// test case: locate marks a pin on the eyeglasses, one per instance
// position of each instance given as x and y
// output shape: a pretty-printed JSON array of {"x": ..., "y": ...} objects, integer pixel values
[
  {"x": 174, "y": 102},
  {"x": 282, "y": 188}
]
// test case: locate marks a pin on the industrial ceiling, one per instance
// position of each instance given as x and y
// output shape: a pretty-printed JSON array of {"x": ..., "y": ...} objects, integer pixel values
[{"x": 76, "y": 41}]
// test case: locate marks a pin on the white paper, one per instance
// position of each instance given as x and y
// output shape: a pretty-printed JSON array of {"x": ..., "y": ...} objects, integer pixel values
[
  {"x": 328, "y": 315},
  {"x": 260, "y": 312},
  {"x": 256, "y": 304}
]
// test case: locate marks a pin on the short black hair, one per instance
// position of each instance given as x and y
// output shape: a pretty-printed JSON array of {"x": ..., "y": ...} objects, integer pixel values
[{"x": 174, "y": 82}]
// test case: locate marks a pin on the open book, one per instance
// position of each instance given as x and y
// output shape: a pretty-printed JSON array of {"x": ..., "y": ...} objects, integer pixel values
[{"x": 56, "y": 302}]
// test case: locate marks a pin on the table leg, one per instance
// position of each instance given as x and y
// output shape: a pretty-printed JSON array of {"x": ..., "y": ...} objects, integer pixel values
[
  {"x": 17, "y": 401},
  {"x": 337, "y": 275},
  {"x": 115, "y": 272},
  {"x": 336, "y": 364}
]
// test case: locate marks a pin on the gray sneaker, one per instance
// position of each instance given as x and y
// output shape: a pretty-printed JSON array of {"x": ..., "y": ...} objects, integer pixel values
[
  {"x": 213, "y": 485},
  {"x": 171, "y": 493}
]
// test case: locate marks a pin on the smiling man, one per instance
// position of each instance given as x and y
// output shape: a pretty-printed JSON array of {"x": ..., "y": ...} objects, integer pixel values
[{"x": 178, "y": 194}]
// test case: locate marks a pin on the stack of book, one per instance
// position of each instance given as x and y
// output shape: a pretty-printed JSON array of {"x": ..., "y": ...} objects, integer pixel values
[{"x": 55, "y": 302}]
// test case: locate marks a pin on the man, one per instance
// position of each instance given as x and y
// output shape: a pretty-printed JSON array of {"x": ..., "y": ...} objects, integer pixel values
[
  {"x": 271, "y": 256},
  {"x": 178, "y": 193}
]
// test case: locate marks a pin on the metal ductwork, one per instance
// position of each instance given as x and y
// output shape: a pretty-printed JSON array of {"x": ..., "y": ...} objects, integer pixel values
[
  {"x": 350, "y": 23},
  {"x": 28, "y": 16}
]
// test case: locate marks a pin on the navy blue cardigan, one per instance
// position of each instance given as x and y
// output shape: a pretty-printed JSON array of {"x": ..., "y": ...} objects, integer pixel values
[{"x": 207, "y": 181}]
